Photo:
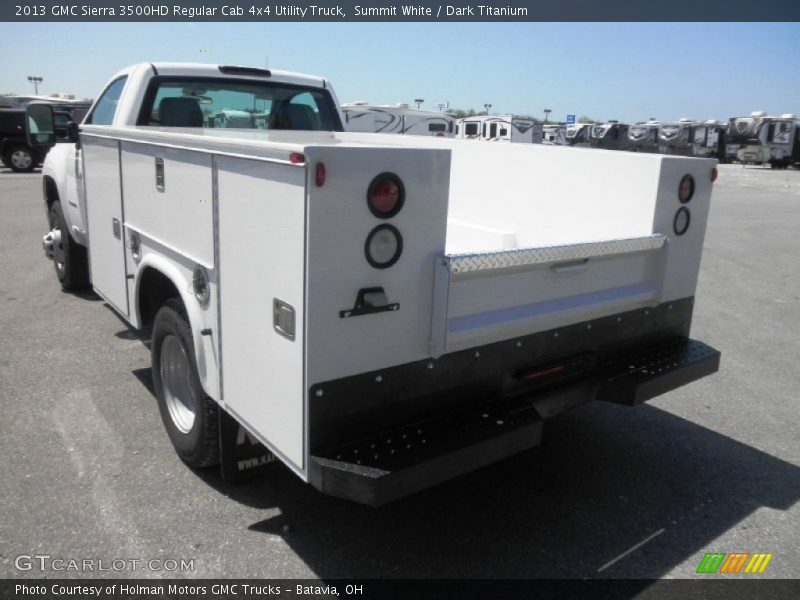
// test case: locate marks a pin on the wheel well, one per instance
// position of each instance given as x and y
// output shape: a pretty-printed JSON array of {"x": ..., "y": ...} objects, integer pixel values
[
  {"x": 155, "y": 289},
  {"x": 50, "y": 191}
]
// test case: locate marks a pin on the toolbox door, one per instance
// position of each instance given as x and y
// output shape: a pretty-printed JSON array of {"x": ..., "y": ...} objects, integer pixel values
[
  {"x": 261, "y": 245},
  {"x": 105, "y": 217}
]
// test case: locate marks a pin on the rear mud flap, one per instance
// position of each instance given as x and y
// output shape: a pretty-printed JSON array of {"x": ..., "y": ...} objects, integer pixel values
[{"x": 241, "y": 456}]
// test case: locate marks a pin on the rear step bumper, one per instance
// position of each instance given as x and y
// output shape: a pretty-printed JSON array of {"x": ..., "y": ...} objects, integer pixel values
[{"x": 394, "y": 464}]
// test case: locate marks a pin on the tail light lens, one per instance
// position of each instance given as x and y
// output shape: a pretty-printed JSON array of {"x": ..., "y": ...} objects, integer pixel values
[
  {"x": 296, "y": 158},
  {"x": 320, "y": 174},
  {"x": 385, "y": 195},
  {"x": 383, "y": 246},
  {"x": 686, "y": 188},
  {"x": 714, "y": 174}
]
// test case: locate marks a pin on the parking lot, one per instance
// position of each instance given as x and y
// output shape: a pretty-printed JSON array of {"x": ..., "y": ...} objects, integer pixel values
[{"x": 88, "y": 471}]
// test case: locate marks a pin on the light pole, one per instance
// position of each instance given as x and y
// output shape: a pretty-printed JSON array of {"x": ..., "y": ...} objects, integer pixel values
[
  {"x": 547, "y": 111},
  {"x": 419, "y": 101},
  {"x": 487, "y": 108},
  {"x": 35, "y": 81}
]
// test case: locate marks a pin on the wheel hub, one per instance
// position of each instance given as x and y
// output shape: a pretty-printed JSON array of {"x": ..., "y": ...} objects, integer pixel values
[
  {"x": 176, "y": 384},
  {"x": 21, "y": 159}
]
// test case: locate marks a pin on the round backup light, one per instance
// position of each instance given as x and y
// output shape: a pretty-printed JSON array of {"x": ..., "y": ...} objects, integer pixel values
[
  {"x": 385, "y": 195},
  {"x": 383, "y": 246},
  {"x": 686, "y": 188},
  {"x": 681, "y": 222}
]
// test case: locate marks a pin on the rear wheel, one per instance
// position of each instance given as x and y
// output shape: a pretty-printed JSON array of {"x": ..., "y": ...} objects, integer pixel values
[
  {"x": 69, "y": 257},
  {"x": 190, "y": 417},
  {"x": 20, "y": 158}
]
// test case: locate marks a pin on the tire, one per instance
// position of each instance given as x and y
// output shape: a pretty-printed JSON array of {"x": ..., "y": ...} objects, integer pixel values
[
  {"x": 69, "y": 257},
  {"x": 190, "y": 417},
  {"x": 20, "y": 158}
]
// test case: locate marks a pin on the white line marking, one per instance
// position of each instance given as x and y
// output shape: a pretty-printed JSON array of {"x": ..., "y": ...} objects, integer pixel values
[{"x": 632, "y": 549}]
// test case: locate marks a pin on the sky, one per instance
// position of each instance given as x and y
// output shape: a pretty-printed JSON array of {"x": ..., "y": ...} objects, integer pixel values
[{"x": 625, "y": 71}]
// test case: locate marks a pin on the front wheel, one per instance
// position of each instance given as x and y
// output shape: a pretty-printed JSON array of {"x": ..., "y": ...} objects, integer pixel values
[
  {"x": 190, "y": 417},
  {"x": 69, "y": 257},
  {"x": 20, "y": 158}
]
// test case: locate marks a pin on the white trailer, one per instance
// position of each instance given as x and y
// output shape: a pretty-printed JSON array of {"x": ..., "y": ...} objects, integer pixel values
[
  {"x": 381, "y": 312},
  {"x": 761, "y": 139},
  {"x": 500, "y": 128},
  {"x": 710, "y": 141},
  {"x": 554, "y": 135},
  {"x": 677, "y": 138},
  {"x": 577, "y": 134},
  {"x": 398, "y": 118},
  {"x": 643, "y": 137},
  {"x": 611, "y": 135}
]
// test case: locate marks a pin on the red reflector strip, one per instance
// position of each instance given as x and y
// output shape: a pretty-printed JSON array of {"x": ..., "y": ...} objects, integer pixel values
[
  {"x": 320, "y": 175},
  {"x": 552, "y": 370},
  {"x": 296, "y": 158},
  {"x": 714, "y": 174}
]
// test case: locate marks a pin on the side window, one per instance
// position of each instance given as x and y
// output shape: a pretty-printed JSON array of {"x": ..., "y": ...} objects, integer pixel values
[
  {"x": 106, "y": 107},
  {"x": 493, "y": 130},
  {"x": 471, "y": 129},
  {"x": 437, "y": 127}
]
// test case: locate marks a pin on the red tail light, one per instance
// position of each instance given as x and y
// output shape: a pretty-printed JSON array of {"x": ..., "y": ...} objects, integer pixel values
[
  {"x": 714, "y": 174},
  {"x": 319, "y": 175},
  {"x": 296, "y": 158},
  {"x": 686, "y": 189},
  {"x": 385, "y": 195}
]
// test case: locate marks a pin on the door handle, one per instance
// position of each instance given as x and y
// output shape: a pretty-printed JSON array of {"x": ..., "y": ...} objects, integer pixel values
[
  {"x": 570, "y": 267},
  {"x": 116, "y": 228}
]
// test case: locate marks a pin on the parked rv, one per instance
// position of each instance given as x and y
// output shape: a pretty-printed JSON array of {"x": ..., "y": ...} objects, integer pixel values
[
  {"x": 554, "y": 135},
  {"x": 578, "y": 134},
  {"x": 500, "y": 128},
  {"x": 709, "y": 140},
  {"x": 381, "y": 313},
  {"x": 399, "y": 118},
  {"x": 677, "y": 138},
  {"x": 611, "y": 135},
  {"x": 762, "y": 139},
  {"x": 643, "y": 137}
]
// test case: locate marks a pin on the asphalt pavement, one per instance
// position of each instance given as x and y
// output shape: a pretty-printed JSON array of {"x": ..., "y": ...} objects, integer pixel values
[{"x": 88, "y": 472}]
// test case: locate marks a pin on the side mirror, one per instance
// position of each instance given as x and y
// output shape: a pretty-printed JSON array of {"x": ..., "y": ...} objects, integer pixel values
[
  {"x": 73, "y": 133},
  {"x": 39, "y": 125}
]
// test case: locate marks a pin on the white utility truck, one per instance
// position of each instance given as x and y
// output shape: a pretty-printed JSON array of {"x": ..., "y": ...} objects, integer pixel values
[
  {"x": 500, "y": 128},
  {"x": 381, "y": 312},
  {"x": 398, "y": 118},
  {"x": 764, "y": 140}
]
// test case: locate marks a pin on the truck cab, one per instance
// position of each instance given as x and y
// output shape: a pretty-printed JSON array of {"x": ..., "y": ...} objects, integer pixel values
[{"x": 182, "y": 95}]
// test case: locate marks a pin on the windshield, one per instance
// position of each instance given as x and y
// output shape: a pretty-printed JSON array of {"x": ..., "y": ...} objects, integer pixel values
[{"x": 232, "y": 104}]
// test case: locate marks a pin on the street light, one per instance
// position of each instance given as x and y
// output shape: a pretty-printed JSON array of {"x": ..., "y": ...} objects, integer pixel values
[
  {"x": 419, "y": 101},
  {"x": 547, "y": 111},
  {"x": 487, "y": 108},
  {"x": 35, "y": 81}
]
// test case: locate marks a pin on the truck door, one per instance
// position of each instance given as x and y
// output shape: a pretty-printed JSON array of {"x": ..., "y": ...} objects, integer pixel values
[{"x": 104, "y": 207}]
